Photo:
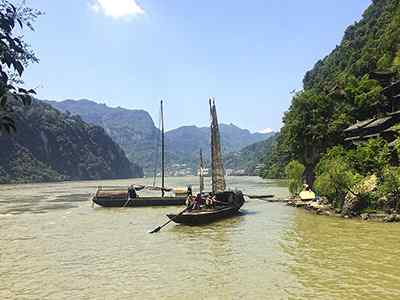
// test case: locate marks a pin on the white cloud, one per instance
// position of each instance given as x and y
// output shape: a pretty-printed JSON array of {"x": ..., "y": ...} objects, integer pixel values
[
  {"x": 117, "y": 8},
  {"x": 266, "y": 130}
]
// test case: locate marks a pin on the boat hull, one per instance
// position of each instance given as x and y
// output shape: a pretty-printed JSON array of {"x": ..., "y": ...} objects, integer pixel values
[
  {"x": 139, "y": 202},
  {"x": 229, "y": 205},
  {"x": 204, "y": 217}
]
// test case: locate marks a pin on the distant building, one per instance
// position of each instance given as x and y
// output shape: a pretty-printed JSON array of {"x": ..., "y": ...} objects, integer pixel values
[{"x": 387, "y": 115}]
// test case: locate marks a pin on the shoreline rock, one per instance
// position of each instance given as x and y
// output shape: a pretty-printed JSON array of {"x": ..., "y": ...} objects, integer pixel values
[{"x": 323, "y": 208}]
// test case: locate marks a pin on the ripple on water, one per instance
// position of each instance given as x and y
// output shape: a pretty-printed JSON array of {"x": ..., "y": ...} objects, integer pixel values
[{"x": 270, "y": 251}]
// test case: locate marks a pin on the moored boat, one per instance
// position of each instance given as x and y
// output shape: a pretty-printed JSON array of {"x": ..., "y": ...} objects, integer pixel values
[
  {"x": 119, "y": 197},
  {"x": 139, "y": 202}
]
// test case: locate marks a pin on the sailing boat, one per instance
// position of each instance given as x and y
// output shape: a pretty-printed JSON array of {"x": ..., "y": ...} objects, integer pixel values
[
  {"x": 120, "y": 198},
  {"x": 228, "y": 202}
]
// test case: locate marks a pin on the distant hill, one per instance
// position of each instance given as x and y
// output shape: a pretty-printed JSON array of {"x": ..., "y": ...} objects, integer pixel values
[
  {"x": 51, "y": 146},
  {"x": 251, "y": 159},
  {"x": 135, "y": 132},
  {"x": 183, "y": 144}
]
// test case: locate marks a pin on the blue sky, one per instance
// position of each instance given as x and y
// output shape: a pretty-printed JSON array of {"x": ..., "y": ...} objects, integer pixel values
[{"x": 249, "y": 55}]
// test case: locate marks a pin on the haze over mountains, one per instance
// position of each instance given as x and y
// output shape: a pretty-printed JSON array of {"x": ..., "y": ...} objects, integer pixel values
[{"x": 136, "y": 133}]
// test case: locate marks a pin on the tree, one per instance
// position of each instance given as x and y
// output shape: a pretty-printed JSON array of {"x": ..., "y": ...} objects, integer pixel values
[
  {"x": 391, "y": 185},
  {"x": 294, "y": 172},
  {"x": 335, "y": 176},
  {"x": 15, "y": 55}
]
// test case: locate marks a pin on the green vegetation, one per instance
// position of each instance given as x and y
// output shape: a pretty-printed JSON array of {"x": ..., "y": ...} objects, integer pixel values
[
  {"x": 249, "y": 158},
  {"x": 338, "y": 90},
  {"x": 354, "y": 179},
  {"x": 294, "y": 172},
  {"x": 52, "y": 146},
  {"x": 390, "y": 187},
  {"x": 15, "y": 55}
]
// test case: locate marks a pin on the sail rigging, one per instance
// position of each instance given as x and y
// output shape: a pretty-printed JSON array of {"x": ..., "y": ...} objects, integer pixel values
[
  {"x": 163, "y": 189},
  {"x": 218, "y": 179},
  {"x": 162, "y": 151},
  {"x": 201, "y": 172}
]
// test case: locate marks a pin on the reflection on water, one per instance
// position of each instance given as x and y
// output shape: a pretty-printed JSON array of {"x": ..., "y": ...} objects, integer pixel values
[{"x": 55, "y": 246}]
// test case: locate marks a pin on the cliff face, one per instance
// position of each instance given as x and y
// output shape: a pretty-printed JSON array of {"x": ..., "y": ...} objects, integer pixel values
[
  {"x": 133, "y": 130},
  {"x": 340, "y": 89},
  {"x": 50, "y": 145}
]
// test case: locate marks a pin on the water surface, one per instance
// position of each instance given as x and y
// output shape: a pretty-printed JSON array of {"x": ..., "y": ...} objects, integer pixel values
[{"x": 54, "y": 245}]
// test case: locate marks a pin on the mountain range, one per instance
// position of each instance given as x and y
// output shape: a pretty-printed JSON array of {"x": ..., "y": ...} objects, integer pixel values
[
  {"x": 52, "y": 146},
  {"x": 136, "y": 133}
]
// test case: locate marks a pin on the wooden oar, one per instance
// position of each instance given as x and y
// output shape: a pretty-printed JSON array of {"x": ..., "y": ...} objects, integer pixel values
[{"x": 165, "y": 224}]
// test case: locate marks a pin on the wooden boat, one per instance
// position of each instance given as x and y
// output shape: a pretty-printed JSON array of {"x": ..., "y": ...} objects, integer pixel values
[
  {"x": 229, "y": 202},
  {"x": 122, "y": 201},
  {"x": 118, "y": 197},
  {"x": 230, "y": 207}
]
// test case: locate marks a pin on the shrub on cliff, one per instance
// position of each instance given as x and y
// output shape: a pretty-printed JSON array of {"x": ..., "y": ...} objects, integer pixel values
[
  {"x": 335, "y": 176},
  {"x": 390, "y": 187}
]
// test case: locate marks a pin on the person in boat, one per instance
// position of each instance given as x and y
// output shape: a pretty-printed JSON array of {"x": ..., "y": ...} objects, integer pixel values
[
  {"x": 210, "y": 201},
  {"x": 189, "y": 191},
  {"x": 189, "y": 201},
  {"x": 131, "y": 193},
  {"x": 198, "y": 201}
]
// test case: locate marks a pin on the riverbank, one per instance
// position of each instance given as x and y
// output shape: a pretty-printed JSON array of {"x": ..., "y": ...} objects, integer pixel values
[{"x": 324, "y": 208}]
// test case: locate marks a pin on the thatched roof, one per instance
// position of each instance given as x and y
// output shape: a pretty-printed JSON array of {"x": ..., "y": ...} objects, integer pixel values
[
  {"x": 392, "y": 90},
  {"x": 359, "y": 125},
  {"x": 378, "y": 122}
]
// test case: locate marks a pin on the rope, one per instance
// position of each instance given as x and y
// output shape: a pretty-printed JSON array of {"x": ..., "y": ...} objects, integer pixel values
[{"x": 157, "y": 148}]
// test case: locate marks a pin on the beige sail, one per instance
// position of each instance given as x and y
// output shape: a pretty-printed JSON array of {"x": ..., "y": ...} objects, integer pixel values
[{"x": 218, "y": 179}]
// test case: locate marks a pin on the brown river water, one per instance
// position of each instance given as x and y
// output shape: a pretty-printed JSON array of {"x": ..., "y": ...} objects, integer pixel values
[{"x": 54, "y": 245}]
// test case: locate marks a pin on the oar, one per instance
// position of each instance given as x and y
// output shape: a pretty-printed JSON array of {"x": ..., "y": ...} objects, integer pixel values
[{"x": 165, "y": 224}]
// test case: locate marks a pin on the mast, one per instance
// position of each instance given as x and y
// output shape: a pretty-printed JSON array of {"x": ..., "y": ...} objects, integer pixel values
[
  {"x": 201, "y": 172},
  {"x": 218, "y": 179},
  {"x": 162, "y": 151}
]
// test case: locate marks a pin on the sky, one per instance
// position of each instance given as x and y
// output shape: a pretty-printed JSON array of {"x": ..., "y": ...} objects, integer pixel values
[{"x": 249, "y": 55}]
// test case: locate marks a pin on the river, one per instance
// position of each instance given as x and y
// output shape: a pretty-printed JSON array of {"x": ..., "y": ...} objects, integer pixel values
[{"x": 54, "y": 245}]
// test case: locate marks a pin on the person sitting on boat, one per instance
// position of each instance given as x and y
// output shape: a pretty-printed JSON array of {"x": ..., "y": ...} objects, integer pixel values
[
  {"x": 210, "y": 201},
  {"x": 198, "y": 201},
  {"x": 131, "y": 193},
  {"x": 189, "y": 201}
]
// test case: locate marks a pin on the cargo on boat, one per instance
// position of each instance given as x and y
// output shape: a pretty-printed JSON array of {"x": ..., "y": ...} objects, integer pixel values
[{"x": 229, "y": 204}]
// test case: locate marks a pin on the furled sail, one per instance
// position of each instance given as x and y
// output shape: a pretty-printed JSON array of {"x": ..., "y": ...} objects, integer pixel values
[
  {"x": 201, "y": 172},
  {"x": 218, "y": 179}
]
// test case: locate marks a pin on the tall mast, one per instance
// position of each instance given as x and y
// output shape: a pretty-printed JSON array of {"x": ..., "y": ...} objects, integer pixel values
[
  {"x": 162, "y": 151},
  {"x": 201, "y": 172},
  {"x": 212, "y": 146},
  {"x": 218, "y": 173}
]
